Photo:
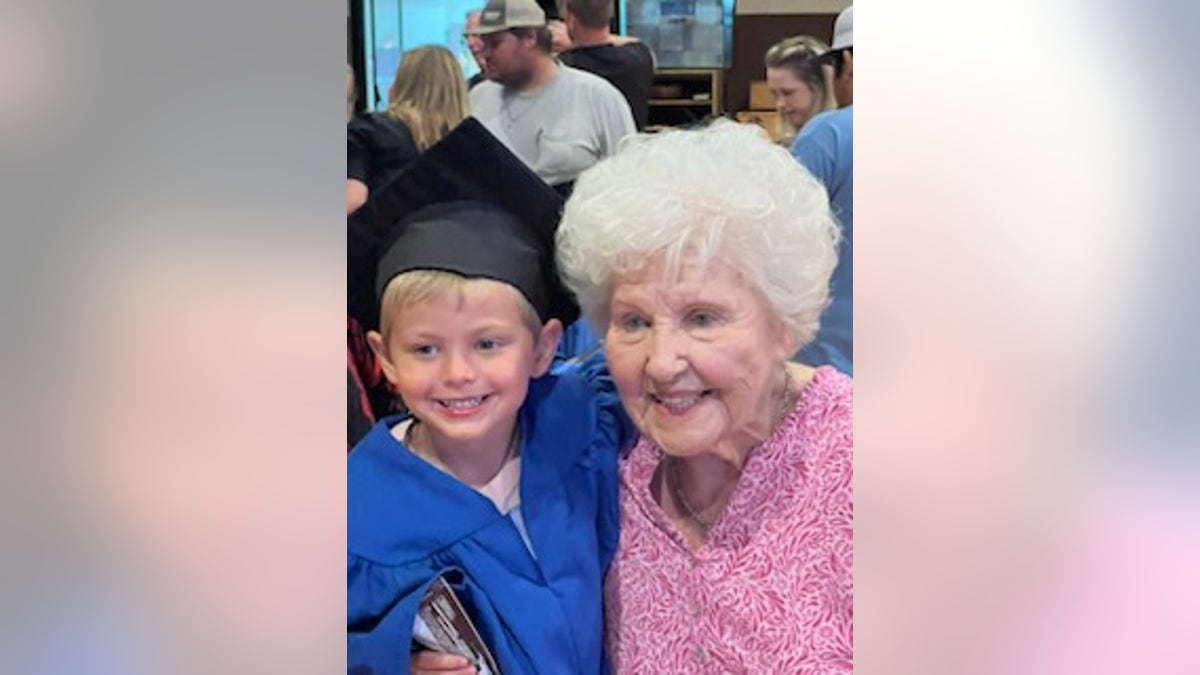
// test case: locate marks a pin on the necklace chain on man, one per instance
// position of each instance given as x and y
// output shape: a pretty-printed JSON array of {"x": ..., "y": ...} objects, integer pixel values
[
  {"x": 675, "y": 479},
  {"x": 513, "y": 113}
]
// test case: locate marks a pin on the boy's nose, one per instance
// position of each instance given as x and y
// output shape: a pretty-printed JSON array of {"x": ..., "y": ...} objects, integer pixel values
[{"x": 457, "y": 369}]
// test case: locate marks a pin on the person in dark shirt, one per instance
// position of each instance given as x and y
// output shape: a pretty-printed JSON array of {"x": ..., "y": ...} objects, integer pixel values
[
  {"x": 624, "y": 61},
  {"x": 428, "y": 98},
  {"x": 350, "y": 99}
]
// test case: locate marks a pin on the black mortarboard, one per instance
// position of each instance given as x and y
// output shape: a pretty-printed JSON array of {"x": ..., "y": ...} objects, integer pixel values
[{"x": 466, "y": 205}]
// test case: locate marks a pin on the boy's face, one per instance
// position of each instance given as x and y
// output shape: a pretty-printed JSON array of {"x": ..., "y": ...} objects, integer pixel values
[{"x": 463, "y": 364}]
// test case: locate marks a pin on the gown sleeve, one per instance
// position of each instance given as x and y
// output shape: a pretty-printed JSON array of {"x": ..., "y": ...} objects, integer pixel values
[
  {"x": 615, "y": 431},
  {"x": 614, "y": 436},
  {"x": 381, "y": 604},
  {"x": 379, "y": 620}
]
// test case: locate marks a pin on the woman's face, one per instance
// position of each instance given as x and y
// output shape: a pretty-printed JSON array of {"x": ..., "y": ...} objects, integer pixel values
[
  {"x": 698, "y": 361},
  {"x": 794, "y": 99}
]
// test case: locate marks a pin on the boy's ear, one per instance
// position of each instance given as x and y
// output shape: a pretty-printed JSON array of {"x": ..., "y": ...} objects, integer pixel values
[
  {"x": 546, "y": 346},
  {"x": 375, "y": 339}
]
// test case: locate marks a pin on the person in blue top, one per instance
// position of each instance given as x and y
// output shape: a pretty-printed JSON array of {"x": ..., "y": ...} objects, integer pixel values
[
  {"x": 501, "y": 478},
  {"x": 825, "y": 146}
]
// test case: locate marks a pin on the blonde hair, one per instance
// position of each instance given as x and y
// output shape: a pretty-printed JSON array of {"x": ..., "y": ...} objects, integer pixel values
[
  {"x": 428, "y": 94},
  {"x": 801, "y": 55},
  {"x": 419, "y": 286}
]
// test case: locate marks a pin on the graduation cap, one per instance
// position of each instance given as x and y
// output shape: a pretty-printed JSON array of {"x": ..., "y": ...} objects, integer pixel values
[{"x": 466, "y": 205}]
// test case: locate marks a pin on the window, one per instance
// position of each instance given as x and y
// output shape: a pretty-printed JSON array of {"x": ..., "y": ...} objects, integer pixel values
[
  {"x": 393, "y": 26},
  {"x": 682, "y": 33}
]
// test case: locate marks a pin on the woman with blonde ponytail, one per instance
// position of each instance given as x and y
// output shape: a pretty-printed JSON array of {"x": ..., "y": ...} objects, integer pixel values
[
  {"x": 801, "y": 84},
  {"x": 427, "y": 99}
]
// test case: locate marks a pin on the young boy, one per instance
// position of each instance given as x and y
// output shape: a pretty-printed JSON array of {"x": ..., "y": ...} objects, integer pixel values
[{"x": 502, "y": 477}]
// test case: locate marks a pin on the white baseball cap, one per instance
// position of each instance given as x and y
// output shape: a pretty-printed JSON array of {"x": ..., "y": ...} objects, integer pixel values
[
  {"x": 843, "y": 30},
  {"x": 500, "y": 15}
]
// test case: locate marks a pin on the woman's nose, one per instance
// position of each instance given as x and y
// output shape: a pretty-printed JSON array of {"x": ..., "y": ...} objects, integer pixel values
[{"x": 667, "y": 357}]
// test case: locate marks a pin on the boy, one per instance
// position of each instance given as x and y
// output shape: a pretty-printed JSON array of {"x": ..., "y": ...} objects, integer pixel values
[{"x": 502, "y": 478}]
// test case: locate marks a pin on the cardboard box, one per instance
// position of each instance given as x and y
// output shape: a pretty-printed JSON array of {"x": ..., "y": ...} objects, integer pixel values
[
  {"x": 767, "y": 120},
  {"x": 761, "y": 97}
]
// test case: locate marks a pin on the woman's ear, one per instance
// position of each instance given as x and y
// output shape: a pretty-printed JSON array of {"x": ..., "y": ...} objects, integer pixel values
[
  {"x": 786, "y": 344},
  {"x": 545, "y": 346},
  {"x": 375, "y": 340}
]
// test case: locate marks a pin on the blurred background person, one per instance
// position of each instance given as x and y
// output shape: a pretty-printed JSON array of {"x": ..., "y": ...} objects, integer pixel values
[
  {"x": 802, "y": 87},
  {"x": 560, "y": 38},
  {"x": 825, "y": 146},
  {"x": 841, "y": 57},
  {"x": 427, "y": 99},
  {"x": 626, "y": 62},
  {"x": 559, "y": 120},
  {"x": 475, "y": 45},
  {"x": 349, "y": 92}
]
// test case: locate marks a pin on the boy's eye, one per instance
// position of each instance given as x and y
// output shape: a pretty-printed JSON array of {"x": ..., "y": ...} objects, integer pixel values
[
  {"x": 487, "y": 344},
  {"x": 423, "y": 350}
]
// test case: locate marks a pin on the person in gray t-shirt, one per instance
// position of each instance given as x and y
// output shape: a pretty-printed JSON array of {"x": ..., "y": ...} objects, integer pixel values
[{"x": 557, "y": 119}]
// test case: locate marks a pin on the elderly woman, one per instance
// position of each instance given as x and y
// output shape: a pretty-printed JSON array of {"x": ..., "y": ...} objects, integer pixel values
[{"x": 703, "y": 258}]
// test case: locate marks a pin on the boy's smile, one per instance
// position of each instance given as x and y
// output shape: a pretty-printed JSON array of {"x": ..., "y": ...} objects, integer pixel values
[{"x": 462, "y": 407}]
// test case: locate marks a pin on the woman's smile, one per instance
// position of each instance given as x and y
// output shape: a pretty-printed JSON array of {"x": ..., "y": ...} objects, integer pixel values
[{"x": 681, "y": 402}]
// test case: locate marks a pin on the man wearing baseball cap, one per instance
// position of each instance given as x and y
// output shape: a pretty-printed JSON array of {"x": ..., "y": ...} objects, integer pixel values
[
  {"x": 557, "y": 119},
  {"x": 841, "y": 57},
  {"x": 825, "y": 146}
]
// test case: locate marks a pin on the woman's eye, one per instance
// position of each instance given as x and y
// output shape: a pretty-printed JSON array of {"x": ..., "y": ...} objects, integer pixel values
[
  {"x": 703, "y": 319},
  {"x": 633, "y": 323}
]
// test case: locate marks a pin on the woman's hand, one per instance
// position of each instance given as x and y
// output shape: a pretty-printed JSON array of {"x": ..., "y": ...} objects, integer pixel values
[{"x": 439, "y": 664}]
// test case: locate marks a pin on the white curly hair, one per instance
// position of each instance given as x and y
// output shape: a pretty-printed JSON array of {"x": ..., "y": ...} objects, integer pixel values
[{"x": 723, "y": 193}]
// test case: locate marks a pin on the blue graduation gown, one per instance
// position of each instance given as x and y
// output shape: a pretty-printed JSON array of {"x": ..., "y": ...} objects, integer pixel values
[{"x": 409, "y": 522}]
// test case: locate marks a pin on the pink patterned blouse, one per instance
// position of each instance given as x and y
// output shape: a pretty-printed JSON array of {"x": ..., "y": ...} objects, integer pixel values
[{"x": 771, "y": 589}]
